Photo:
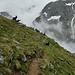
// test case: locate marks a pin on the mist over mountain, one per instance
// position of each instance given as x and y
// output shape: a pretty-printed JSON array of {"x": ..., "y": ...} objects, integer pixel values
[
  {"x": 59, "y": 17},
  {"x": 55, "y": 18}
]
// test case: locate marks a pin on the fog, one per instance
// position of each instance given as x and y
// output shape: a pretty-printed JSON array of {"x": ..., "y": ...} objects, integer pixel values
[
  {"x": 55, "y": 30},
  {"x": 27, "y": 11}
]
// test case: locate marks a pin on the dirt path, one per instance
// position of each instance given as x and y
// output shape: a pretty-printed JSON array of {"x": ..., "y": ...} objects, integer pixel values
[{"x": 34, "y": 68}]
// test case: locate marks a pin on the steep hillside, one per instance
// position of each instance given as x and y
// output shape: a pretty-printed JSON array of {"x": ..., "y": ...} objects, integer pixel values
[{"x": 25, "y": 51}]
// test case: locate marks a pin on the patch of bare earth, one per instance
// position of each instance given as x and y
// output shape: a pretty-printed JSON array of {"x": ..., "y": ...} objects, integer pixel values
[{"x": 34, "y": 68}]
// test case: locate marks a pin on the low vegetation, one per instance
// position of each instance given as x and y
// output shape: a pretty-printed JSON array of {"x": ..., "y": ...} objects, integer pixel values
[{"x": 20, "y": 45}]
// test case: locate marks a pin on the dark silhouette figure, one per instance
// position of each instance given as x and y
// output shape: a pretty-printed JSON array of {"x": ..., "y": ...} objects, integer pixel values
[
  {"x": 47, "y": 43},
  {"x": 37, "y": 30},
  {"x": 14, "y": 18},
  {"x": 44, "y": 34},
  {"x": 18, "y": 20}
]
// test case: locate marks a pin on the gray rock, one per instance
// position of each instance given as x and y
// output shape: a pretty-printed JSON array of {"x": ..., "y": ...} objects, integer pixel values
[{"x": 6, "y": 14}]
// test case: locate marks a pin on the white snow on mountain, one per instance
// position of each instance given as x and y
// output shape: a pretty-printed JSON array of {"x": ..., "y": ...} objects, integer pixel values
[
  {"x": 69, "y": 4},
  {"x": 54, "y": 18}
]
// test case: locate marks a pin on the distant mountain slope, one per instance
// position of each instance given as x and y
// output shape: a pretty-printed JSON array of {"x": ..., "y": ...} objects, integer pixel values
[
  {"x": 62, "y": 13},
  {"x": 22, "y": 48},
  {"x": 6, "y": 14}
]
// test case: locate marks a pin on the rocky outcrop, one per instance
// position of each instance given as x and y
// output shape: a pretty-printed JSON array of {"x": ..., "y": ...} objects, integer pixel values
[{"x": 5, "y": 14}]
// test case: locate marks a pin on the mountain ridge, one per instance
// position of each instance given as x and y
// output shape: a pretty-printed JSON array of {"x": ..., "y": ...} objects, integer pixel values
[{"x": 66, "y": 10}]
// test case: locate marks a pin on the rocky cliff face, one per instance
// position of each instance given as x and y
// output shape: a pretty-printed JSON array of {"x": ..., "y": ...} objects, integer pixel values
[{"x": 62, "y": 13}]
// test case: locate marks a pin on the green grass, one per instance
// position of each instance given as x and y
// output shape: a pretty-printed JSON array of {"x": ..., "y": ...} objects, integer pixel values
[{"x": 18, "y": 44}]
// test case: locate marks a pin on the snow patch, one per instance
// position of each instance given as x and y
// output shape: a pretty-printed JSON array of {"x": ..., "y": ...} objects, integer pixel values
[
  {"x": 69, "y": 4},
  {"x": 45, "y": 14},
  {"x": 54, "y": 18}
]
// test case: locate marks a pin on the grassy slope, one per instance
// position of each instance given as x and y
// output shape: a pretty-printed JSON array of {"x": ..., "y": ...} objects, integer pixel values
[{"x": 19, "y": 45}]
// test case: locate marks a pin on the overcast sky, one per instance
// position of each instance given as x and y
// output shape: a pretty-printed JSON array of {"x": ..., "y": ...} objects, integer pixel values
[{"x": 26, "y": 10}]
